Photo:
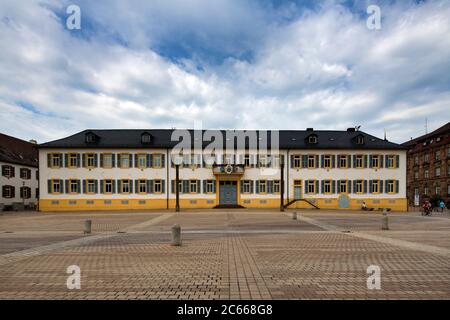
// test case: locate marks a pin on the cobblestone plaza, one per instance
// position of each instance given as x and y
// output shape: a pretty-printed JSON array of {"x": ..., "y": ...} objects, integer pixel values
[{"x": 226, "y": 254}]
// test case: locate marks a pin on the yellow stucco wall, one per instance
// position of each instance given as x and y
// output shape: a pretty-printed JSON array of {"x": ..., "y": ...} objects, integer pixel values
[{"x": 269, "y": 203}]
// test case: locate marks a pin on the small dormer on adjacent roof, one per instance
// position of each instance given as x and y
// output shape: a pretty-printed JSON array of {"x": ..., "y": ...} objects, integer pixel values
[
  {"x": 312, "y": 138},
  {"x": 359, "y": 139},
  {"x": 146, "y": 138},
  {"x": 91, "y": 137}
]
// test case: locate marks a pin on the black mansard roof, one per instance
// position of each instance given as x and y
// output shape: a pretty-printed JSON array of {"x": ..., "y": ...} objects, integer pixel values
[{"x": 161, "y": 138}]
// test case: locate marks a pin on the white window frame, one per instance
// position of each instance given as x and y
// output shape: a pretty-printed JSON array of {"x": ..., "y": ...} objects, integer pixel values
[
  {"x": 157, "y": 186},
  {"x": 90, "y": 183},
  {"x": 125, "y": 186}
]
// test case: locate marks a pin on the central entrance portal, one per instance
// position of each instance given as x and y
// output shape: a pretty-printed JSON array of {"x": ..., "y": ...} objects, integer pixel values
[{"x": 228, "y": 192}]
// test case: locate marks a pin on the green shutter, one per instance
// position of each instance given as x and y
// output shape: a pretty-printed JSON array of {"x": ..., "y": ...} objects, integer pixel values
[
  {"x": 49, "y": 186},
  {"x": 270, "y": 186},
  {"x": 397, "y": 161},
  {"x": 113, "y": 160},
  {"x": 49, "y": 160}
]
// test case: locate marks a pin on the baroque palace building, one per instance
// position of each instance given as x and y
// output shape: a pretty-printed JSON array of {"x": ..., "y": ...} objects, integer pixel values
[
  {"x": 133, "y": 169},
  {"x": 428, "y": 175}
]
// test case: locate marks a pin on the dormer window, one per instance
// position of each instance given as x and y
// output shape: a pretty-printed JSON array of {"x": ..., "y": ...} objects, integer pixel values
[
  {"x": 146, "y": 138},
  {"x": 312, "y": 139},
  {"x": 360, "y": 140},
  {"x": 91, "y": 137}
]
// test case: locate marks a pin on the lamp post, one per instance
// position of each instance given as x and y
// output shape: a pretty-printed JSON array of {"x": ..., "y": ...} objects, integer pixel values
[
  {"x": 177, "y": 159},
  {"x": 177, "y": 187}
]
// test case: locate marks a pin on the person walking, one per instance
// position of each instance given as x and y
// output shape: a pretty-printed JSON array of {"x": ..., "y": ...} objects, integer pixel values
[
  {"x": 442, "y": 205},
  {"x": 426, "y": 208}
]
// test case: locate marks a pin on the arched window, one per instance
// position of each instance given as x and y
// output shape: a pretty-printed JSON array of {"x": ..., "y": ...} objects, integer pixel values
[
  {"x": 312, "y": 139},
  {"x": 90, "y": 137},
  {"x": 146, "y": 138}
]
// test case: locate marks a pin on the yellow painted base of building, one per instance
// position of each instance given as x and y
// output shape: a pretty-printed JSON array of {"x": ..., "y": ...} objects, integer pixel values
[{"x": 397, "y": 204}]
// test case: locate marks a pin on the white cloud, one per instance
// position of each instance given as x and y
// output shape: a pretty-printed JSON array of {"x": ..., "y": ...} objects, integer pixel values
[{"x": 324, "y": 69}]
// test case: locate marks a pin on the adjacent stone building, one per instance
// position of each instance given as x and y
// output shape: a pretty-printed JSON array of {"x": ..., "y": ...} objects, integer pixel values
[
  {"x": 134, "y": 169},
  {"x": 19, "y": 173},
  {"x": 428, "y": 176}
]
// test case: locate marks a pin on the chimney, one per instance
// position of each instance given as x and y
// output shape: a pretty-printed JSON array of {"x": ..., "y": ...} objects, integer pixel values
[
  {"x": 33, "y": 141},
  {"x": 351, "y": 129},
  {"x": 309, "y": 129}
]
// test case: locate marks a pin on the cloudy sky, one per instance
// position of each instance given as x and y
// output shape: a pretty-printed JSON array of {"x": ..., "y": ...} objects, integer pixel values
[{"x": 251, "y": 64}]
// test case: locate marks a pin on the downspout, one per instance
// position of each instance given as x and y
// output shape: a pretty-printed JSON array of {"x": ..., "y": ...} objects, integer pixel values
[
  {"x": 287, "y": 172},
  {"x": 167, "y": 179}
]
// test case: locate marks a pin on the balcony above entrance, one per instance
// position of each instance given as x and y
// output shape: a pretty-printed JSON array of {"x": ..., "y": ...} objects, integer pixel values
[{"x": 228, "y": 169}]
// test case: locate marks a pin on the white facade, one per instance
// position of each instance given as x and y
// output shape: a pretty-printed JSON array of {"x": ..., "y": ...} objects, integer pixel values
[
  {"x": 202, "y": 199},
  {"x": 17, "y": 182}
]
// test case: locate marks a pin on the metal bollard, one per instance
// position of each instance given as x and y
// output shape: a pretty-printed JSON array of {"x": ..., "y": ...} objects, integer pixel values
[
  {"x": 176, "y": 235},
  {"x": 294, "y": 216},
  {"x": 87, "y": 226},
  {"x": 384, "y": 221}
]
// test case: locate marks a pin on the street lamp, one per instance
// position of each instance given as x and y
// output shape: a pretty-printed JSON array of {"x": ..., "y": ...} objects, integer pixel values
[{"x": 177, "y": 159}]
